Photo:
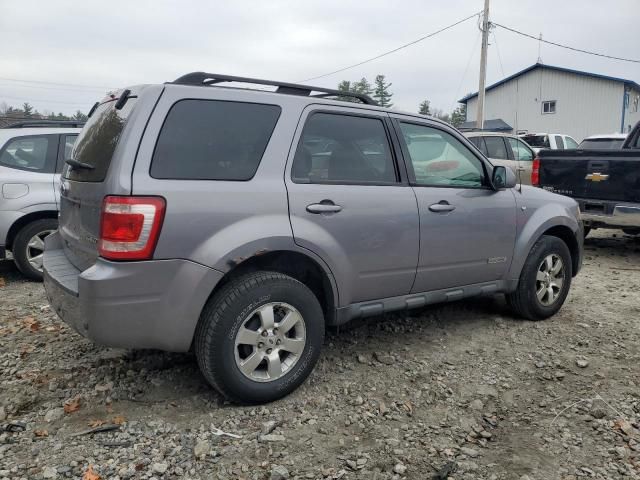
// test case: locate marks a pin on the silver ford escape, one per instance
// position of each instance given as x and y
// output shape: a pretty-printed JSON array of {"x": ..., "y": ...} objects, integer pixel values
[{"x": 240, "y": 222}]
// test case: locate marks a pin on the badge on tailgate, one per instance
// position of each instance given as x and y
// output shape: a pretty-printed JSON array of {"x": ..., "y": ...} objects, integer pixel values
[{"x": 597, "y": 177}]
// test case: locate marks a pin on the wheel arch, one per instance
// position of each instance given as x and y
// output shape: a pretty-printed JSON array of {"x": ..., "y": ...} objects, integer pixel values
[
  {"x": 565, "y": 234},
  {"x": 23, "y": 221}
]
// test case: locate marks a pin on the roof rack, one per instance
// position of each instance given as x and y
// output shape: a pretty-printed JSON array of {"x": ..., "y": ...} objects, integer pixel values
[
  {"x": 47, "y": 123},
  {"x": 205, "y": 79}
]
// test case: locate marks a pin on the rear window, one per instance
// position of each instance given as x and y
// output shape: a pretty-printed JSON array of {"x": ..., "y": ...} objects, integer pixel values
[
  {"x": 97, "y": 141},
  {"x": 602, "y": 144},
  {"x": 213, "y": 140},
  {"x": 539, "y": 141}
]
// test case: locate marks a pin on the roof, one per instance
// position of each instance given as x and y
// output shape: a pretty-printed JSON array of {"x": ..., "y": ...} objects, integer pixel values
[
  {"x": 557, "y": 69},
  {"x": 494, "y": 125},
  {"x": 6, "y": 133},
  {"x": 611, "y": 136},
  {"x": 478, "y": 133}
]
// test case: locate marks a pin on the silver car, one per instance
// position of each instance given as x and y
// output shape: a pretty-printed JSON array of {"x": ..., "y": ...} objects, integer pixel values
[
  {"x": 505, "y": 149},
  {"x": 240, "y": 222},
  {"x": 31, "y": 160}
]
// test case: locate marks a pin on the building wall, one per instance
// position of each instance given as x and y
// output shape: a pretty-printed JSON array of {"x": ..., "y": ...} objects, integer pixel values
[{"x": 584, "y": 105}]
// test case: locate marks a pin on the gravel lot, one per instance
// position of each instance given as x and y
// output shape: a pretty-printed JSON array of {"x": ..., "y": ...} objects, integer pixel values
[{"x": 460, "y": 391}]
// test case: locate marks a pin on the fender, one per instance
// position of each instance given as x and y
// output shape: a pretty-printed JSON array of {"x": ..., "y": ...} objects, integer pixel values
[
  {"x": 532, "y": 224},
  {"x": 39, "y": 207}
]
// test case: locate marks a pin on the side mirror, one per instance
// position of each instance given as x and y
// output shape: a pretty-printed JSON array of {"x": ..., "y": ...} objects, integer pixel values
[{"x": 503, "y": 177}]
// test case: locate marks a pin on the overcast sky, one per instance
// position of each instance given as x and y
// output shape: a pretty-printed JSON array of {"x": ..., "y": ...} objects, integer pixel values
[{"x": 97, "y": 45}]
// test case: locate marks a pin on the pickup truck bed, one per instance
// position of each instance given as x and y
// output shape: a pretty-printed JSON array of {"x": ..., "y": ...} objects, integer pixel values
[{"x": 605, "y": 183}]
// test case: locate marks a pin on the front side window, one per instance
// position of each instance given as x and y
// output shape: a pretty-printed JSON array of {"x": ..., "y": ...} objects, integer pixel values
[
  {"x": 520, "y": 151},
  {"x": 28, "y": 153},
  {"x": 549, "y": 106},
  {"x": 559, "y": 142},
  {"x": 343, "y": 149},
  {"x": 439, "y": 159},
  {"x": 496, "y": 148},
  {"x": 570, "y": 142},
  {"x": 213, "y": 140}
]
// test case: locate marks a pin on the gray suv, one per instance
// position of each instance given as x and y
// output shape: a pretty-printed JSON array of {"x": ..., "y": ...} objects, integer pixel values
[{"x": 240, "y": 222}]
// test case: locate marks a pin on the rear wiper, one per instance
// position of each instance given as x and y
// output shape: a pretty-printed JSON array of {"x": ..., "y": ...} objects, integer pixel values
[{"x": 76, "y": 164}]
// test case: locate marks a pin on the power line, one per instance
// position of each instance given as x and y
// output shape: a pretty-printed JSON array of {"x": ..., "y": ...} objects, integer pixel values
[
  {"x": 495, "y": 39},
  {"x": 466, "y": 69},
  {"x": 391, "y": 51},
  {"x": 47, "y": 87},
  {"x": 39, "y": 82},
  {"x": 566, "y": 46},
  {"x": 40, "y": 100}
]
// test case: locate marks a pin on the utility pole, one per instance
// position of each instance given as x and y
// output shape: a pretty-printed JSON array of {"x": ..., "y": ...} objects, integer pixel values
[{"x": 483, "y": 66}]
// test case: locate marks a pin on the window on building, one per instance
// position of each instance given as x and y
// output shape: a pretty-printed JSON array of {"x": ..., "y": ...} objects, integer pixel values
[
  {"x": 634, "y": 103},
  {"x": 549, "y": 106}
]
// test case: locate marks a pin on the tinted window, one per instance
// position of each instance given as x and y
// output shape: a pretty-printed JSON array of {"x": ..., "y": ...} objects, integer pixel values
[
  {"x": 213, "y": 140},
  {"x": 539, "y": 141},
  {"x": 479, "y": 142},
  {"x": 343, "y": 149},
  {"x": 97, "y": 141},
  {"x": 440, "y": 159},
  {"x": 559, "y": 142},
  {"x": 30, "y": 153},
  {"x": 602, "y": 144},
  {"x": 520, "y": 151},
  {"x": 496, "y": 148}
]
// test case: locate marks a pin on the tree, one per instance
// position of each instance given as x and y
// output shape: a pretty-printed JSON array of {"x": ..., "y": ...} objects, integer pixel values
[
  {"x": 459, "y": 115},
  {"x": 381, "y": 92},
  {"x": 79, "y": 116},
  {"x": 441, "y": 115},
  {"x": 423, "y": 108},
  {"x": 362, "y": 87},
  {"x": 27, "y": 109}
]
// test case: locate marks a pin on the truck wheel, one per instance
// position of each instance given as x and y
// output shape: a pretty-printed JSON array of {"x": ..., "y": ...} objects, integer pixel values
[
  {"x": 545, "y": 280},
  {"x": 259, "y": 337},
  {"x": 28, "y": 246}
]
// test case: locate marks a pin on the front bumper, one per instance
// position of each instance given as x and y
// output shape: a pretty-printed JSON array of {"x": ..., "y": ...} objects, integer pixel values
[
  {"x": 595, "y": 213},
  {"x": 150, "y": 304}
]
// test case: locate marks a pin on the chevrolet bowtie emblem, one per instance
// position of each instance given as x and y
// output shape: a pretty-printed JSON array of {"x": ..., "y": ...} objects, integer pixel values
[{"x": 596, "y": 177}]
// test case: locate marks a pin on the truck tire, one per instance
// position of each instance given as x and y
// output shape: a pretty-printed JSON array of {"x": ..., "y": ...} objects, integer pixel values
[
  {"x": 545, "y": 280},
  {"x": 28, "y": 246},
  {"x": 259, "y": 337}
]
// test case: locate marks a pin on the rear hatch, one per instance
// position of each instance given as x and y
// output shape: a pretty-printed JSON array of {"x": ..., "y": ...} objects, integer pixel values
[
  {"x": 84, "y": 185},
  {"x": 608, "y": 175}
]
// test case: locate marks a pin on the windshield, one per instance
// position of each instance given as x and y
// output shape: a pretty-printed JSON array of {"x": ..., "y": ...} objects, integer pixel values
[
  {"x": 97, "y": 141},
  {"x": 540, "y": 141},
  {"x": 602, "y": 144}
]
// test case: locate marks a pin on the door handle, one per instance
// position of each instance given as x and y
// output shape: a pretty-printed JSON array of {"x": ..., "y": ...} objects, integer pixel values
[
  {"x": 323, "y": 208},
  {"x": 442, "y": 206}
]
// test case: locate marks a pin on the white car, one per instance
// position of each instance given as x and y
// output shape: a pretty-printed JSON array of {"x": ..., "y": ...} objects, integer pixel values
[
  {"x": 31, "y": 159},
  {"x": 613, "y": 141},
  {"x": 552, "y": 141}
]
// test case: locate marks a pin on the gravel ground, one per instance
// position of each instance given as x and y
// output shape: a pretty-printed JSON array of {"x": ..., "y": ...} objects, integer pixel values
[{"x": 460, "y": 391}]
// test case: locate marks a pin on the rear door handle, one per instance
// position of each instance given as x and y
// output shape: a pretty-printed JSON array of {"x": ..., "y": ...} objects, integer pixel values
[
  {"x": 323, "y": 208},
  {"x": 442, "y": 207}
]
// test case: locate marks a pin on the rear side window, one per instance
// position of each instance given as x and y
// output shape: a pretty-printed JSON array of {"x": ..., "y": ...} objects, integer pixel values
[
  {"x": 559, "y": 142},
  {"x": 344, "y": 149},
  {"x": 479, "y": 142},
  {"x": 496, "y": 148},
  {"x": 31, "y": 153},
  {"x": 97, "y": 141},
  {"x": 213, "y": 140},
  {"x": 538, "y": 141}
]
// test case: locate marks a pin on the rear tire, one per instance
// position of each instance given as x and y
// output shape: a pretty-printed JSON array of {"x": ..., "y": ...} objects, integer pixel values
[
  {"x": 541, "y": 290},
  {"x": 28, "y": 247},
  {"x": 245, "y": 348}
]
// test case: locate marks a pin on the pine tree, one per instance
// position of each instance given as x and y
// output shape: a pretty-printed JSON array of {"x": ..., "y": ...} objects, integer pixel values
[
  {"x": 381, "y": 92},
  {"x": 79, "y": 116},
  {"x": 27, "y": 109},
  {"x": 362, "y": 87},
  {"x": 459, "y": 115},
  {"x": 423, "y": 108}
]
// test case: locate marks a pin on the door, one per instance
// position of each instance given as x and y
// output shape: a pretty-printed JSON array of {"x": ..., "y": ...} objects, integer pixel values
[
  {"x": 350, "y": 204},
  {"x": 467, "y": 230},
  {"x": 64, "y": 152},
  {"x": 523, "y": 156}
]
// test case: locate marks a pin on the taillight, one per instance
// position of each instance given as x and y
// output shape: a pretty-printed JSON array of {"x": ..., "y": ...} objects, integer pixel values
[
  {"x": 535, "y": 172},
  {"x": 129, "y": 227}
]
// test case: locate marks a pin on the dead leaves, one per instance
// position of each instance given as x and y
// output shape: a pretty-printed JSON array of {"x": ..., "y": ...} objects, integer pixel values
[
  {"x": 90, "y": 474},
  {"x": 31, "y": 324},
  {"x": 72, "y": 405},
  {"x": 41, "y": 433},
  {"x": 2, "y": 283},
  {"x": 117, "y": 420},
  {"x": 96, "y": 423}
]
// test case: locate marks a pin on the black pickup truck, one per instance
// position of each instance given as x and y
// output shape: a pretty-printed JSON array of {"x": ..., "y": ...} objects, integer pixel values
[{"x": 606, "y": 183}]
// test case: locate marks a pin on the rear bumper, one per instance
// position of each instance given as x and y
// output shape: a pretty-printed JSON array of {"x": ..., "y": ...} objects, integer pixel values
[
  {"x": 152, "y": 304},
  {"x": 597, "y": 213}
]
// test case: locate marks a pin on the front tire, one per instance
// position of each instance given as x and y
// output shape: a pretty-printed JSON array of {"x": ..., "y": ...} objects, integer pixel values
[
  {"x": 545, "y": 280},
  {"x": 259, "y": 337},
  {"x": 28, "y": 247}
]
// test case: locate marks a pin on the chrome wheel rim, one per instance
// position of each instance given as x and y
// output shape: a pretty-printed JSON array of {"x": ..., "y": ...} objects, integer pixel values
[
  {"x": 35, "y": 249},
  {"x": 270, "y": 342},
  {"x": 550, "y": 279}
]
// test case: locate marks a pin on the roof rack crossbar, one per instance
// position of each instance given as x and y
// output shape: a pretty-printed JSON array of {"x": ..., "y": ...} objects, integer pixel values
[
  {"x": 47, "y": 123},
  {"x": 204, "y": 78}
]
